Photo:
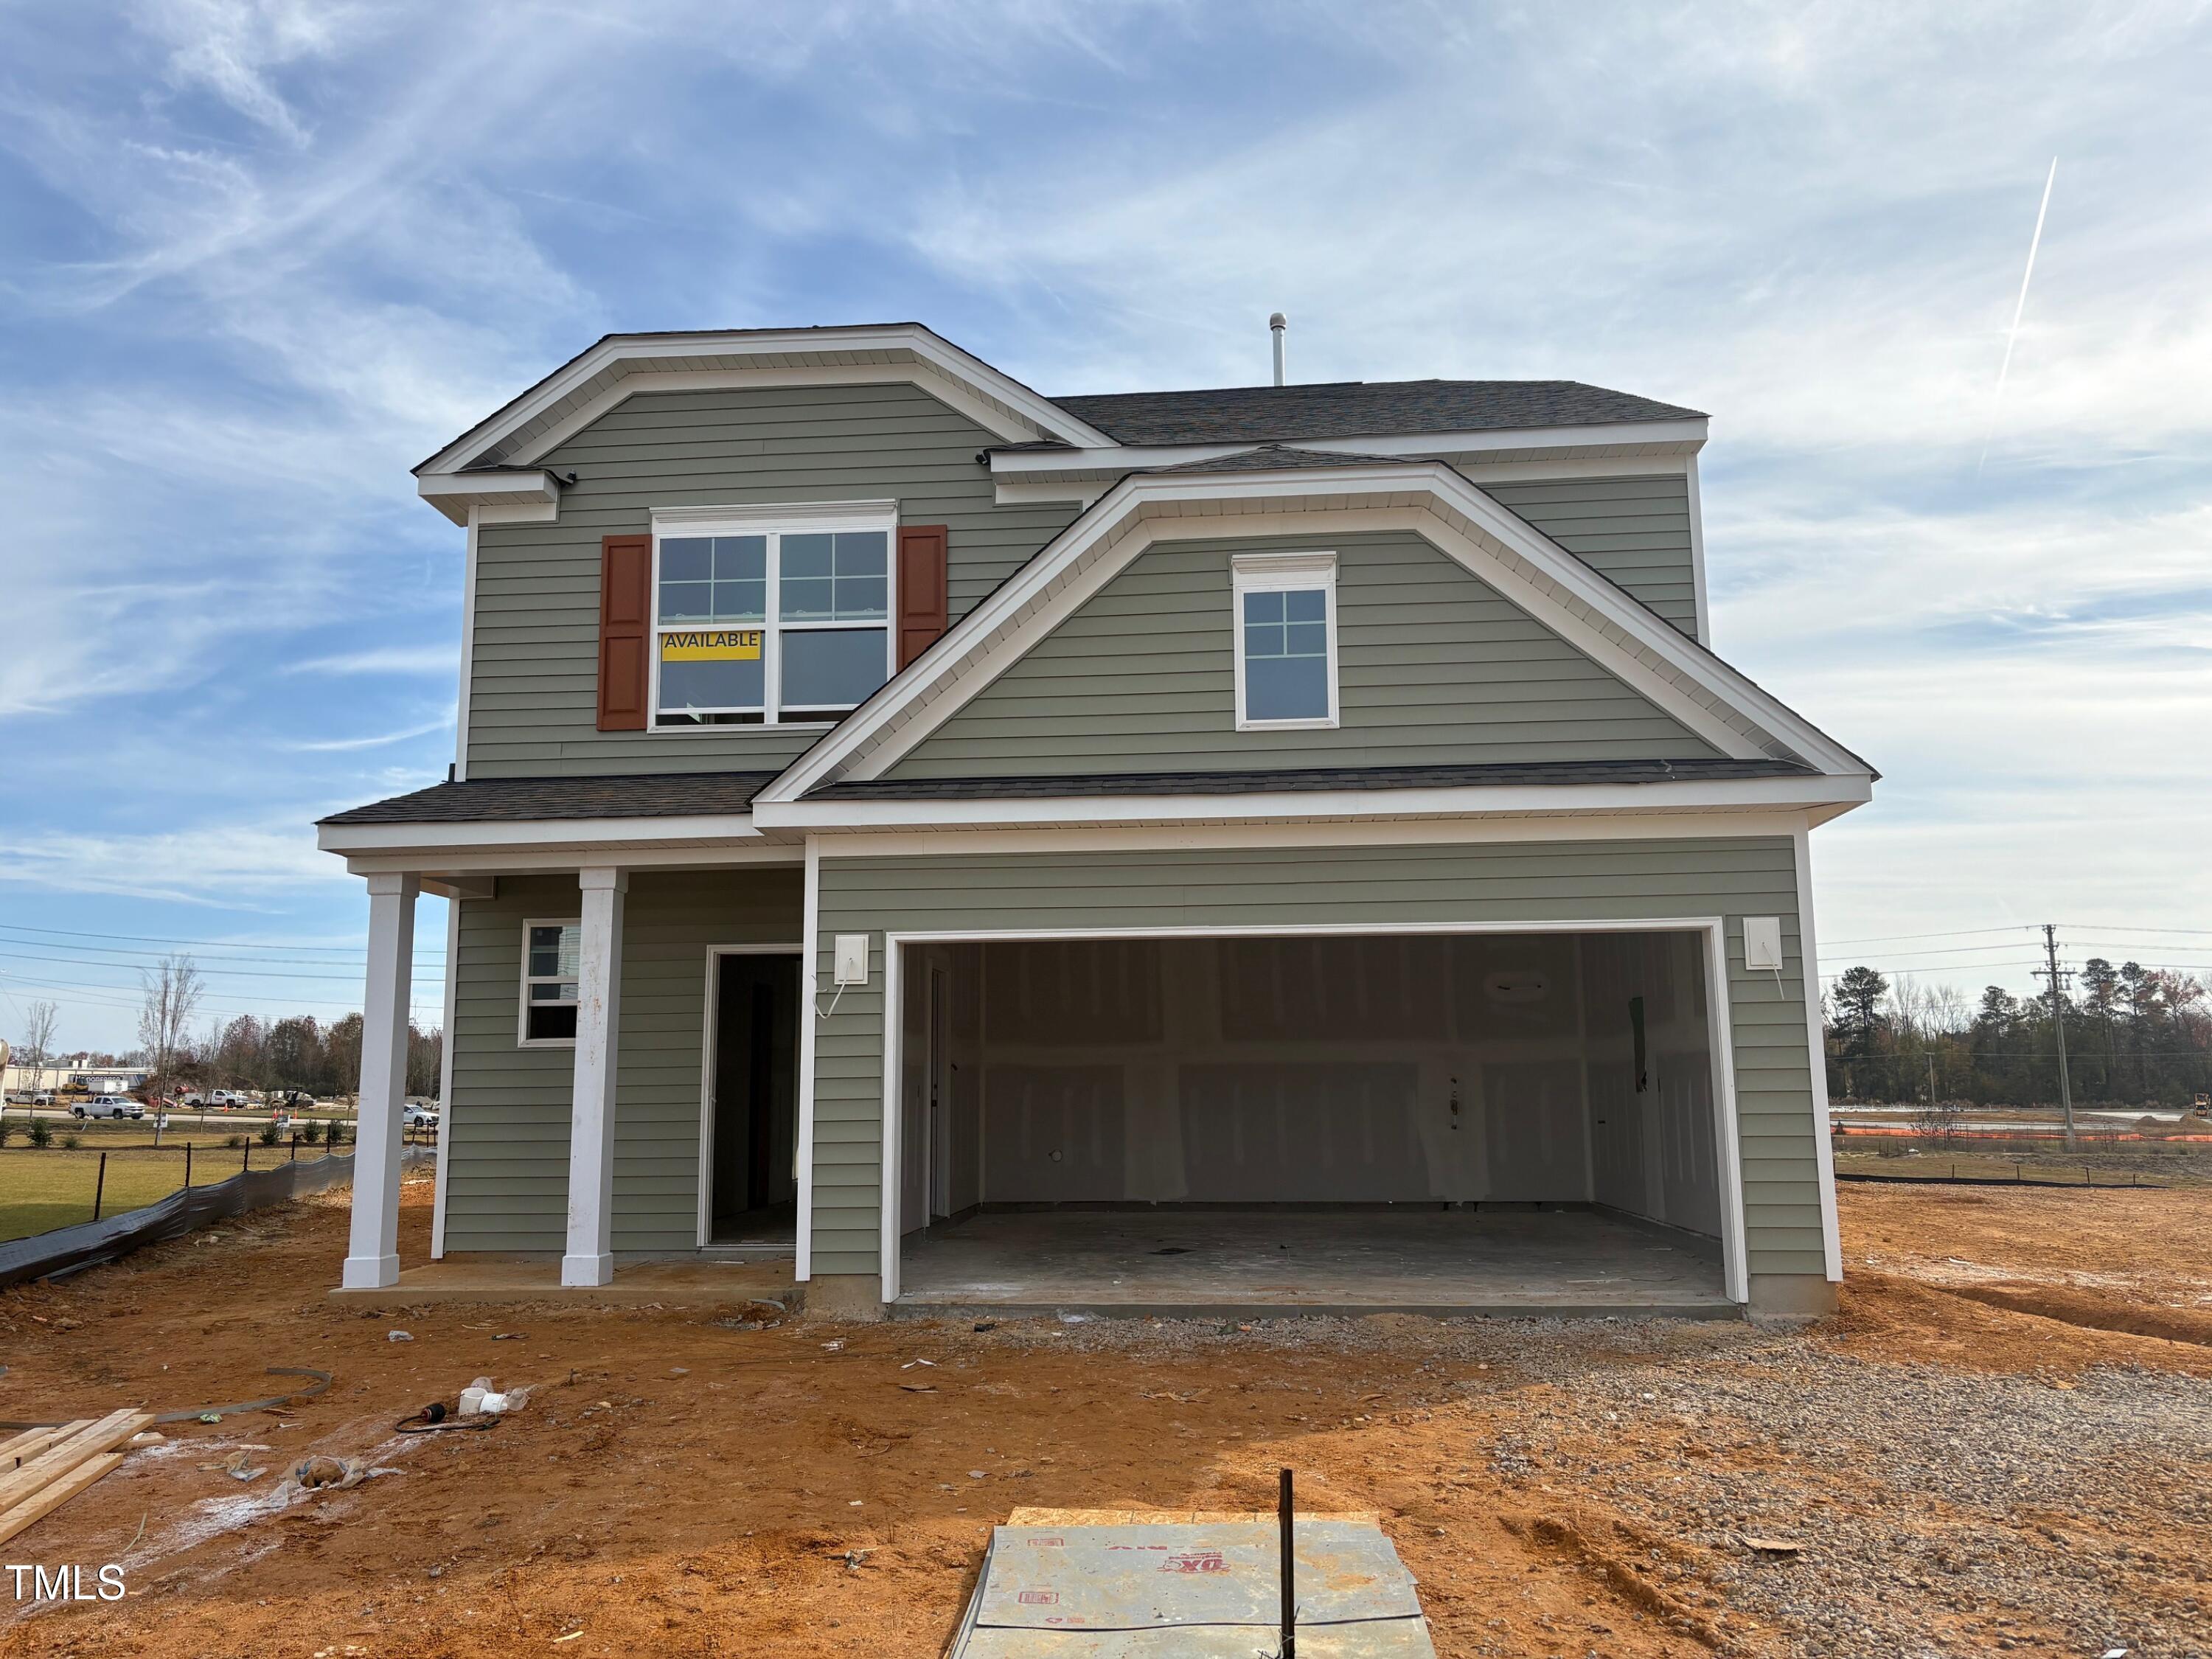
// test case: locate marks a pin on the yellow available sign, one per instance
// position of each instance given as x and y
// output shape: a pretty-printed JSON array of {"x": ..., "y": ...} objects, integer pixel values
[{"x": 712, "y": 645}]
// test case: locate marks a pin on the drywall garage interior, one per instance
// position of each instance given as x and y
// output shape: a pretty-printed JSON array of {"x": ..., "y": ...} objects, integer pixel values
[{"x": 1483, "y": 1068}]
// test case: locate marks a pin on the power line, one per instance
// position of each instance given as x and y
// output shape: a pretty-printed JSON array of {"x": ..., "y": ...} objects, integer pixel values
[
  {"x": 1963, "y": 932},
  {"x": 225, "y": 973},
  {"x": 97, "y": 955},
  {"x": 213, "y": 944}
]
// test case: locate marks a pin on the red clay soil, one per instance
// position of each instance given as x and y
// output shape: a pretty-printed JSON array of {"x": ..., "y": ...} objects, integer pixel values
[{"x": 681, "y": 1483}]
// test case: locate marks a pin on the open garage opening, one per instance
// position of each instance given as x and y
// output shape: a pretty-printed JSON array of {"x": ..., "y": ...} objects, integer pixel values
[{"x": 1442, "y": 1121}]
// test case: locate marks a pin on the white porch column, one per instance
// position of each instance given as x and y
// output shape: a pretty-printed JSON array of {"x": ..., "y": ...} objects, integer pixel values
[
  {"x": 373, "y": 1255},
  {"x": 590, "y": 1257}
]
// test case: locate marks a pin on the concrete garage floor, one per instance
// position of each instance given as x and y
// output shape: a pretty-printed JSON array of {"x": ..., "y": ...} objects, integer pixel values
[{"x": 1562, "y": 1262}]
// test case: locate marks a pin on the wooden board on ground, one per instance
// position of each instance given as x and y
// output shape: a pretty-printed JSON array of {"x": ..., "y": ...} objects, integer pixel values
[
  {"x": 65, "y": 1454},
  {"x": 54, "y": 1494}
]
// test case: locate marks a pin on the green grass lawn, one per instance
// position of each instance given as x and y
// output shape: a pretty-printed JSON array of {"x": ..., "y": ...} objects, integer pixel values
[{"x": 43, "y": 1188}]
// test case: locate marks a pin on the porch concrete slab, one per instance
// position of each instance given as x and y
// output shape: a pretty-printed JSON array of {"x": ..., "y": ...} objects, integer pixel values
[
  {"x": 1259, "y": 1262},
  {"x": 491, "y": 1276}
]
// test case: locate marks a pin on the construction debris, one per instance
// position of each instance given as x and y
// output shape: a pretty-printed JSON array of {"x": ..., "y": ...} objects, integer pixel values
[{"x": 42, "y": 1469}]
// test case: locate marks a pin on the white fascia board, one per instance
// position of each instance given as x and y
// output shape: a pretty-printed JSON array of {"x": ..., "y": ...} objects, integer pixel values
[
  {"x": 454, "y": 493},
  {"x": 1017, "y": 413},
  {"x": 1476, "y": 800},
  {"x": 1342, "y": 832},
  {"x": 528, "y": 834}
]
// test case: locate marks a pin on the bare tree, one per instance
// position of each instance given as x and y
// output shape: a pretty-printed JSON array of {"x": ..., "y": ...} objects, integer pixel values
[
  {"x": 171, "y": 990},
  {"x": 38, "y": 1045}
]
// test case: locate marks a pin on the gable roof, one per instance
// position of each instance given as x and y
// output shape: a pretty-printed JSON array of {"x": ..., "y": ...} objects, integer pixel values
[
  {"x": 1679, "y": 675},
  {"x": 616, "y": 365},
  {"x": 1348, "y": 409},
  {"x": 1277, "y": 457}
]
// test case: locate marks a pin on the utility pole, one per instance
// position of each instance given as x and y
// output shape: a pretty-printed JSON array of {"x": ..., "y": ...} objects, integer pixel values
[{"x": 2059, "y": 1023}]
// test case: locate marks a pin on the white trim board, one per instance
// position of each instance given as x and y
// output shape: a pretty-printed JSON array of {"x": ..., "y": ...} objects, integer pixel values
[
  {"x": 1712, "y": 930},
  {"x": 1647, "y": 654},
  {"x": 810, "y": 971},
  {"x": 1824, "y": 1149},
  {"x": 1384, "y": 832},
  {"x": 445, "y": 868},
  {"x": 517, "y": 834},
  {"x": 1544, "y": 801}
]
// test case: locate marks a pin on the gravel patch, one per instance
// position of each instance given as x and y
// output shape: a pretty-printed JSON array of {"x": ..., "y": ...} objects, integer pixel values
[{"x": 1936, "y": 1513}]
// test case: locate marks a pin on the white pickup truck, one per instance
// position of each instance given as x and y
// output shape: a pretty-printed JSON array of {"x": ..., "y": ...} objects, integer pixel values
[{"x": 108, "y": 1106}]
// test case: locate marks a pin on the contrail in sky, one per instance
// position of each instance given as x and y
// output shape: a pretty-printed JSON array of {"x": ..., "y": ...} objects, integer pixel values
[{"x": 2033, "y": 243}]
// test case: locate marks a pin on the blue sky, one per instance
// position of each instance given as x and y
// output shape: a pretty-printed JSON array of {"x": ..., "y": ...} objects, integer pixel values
[{"x": 259, "y": 259}]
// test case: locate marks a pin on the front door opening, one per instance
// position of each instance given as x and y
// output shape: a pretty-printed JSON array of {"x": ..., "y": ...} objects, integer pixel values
[
  {"x": 1433, "y": 1120},
  {"x": 753, "y": 1188}
]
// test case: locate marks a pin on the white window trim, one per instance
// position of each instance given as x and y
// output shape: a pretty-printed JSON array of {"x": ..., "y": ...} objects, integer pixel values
[
  {"x": 1273, "y": 573},
  {"x": 522, "y": 1038},
  {"x": 774, "y": 521}
]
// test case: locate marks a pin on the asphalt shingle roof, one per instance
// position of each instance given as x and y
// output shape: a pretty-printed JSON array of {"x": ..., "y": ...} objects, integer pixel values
[
  {"x": 491, "y": 800},
  {"x": 1280, "y": 457},
  {"x": 1346, "y": 409},
  {"x": 1308, "y": 779}
]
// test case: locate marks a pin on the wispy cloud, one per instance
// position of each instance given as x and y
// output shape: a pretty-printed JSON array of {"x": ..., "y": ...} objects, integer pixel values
[
  {"x": 266, "y": 254},
  {"x": 395, "y": 660},
  {"x": 214, "y": 866},
  {"x": 382, "y": 740}
]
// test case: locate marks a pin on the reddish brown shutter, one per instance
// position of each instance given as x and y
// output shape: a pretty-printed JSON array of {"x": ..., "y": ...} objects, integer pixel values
[
  {"x": 923, "y": 602},
  {"x": 625, "y": 625}
]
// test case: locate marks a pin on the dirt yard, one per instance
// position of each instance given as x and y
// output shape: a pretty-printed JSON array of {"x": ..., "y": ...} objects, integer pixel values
[{"x": 2002, "y": 1443}]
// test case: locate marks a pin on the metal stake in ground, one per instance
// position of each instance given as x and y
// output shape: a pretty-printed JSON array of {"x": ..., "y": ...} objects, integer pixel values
[{"x": 1290, "y": 1648}]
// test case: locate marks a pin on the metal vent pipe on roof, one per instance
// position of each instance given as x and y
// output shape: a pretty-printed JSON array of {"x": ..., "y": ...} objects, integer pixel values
[{"x": 1276, "y": 324}]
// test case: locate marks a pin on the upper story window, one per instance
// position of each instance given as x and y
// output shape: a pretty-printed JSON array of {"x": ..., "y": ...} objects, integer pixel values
[
  {"x": 1285, "y": 640},
  {"x": 770, "y": 616},
  {"x": 552, "y": 952}
]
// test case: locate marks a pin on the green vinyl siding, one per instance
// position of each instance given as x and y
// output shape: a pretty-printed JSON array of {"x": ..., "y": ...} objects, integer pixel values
[
  {"x": 507, "y": 1129},
  {"x": 1292, "y": 886},
  {"x": 1635, "y": 531},
  {"x": 1435, "y": 667},
  {"x": 533, "y": 690}
]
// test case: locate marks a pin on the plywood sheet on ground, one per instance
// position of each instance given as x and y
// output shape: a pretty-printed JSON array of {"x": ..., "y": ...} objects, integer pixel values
[{"x": 1189, "y": 1590}]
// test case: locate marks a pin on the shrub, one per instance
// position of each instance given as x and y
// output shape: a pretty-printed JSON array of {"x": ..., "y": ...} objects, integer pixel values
[
  {"x": 338, "y": 1133},
  {"x": 234, "y": 1141},
  {"x": 6, "y": 1131},
  {"x": 42, "y": 1133},
  {"x": 270, "y": 1133},
  {"x": 71, "y": 1142},
  {"x": 312, "y": 1130}
]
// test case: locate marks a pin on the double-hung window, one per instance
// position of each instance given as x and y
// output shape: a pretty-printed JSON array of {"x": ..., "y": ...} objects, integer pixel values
[
  {"x": 552, "y": 952},
  {"x": 770, "y": 616},
  {"x": 1285, "y": 640}
]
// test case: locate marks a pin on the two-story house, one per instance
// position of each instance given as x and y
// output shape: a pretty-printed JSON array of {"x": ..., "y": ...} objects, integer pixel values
[{"x": 982, "y": 844}]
